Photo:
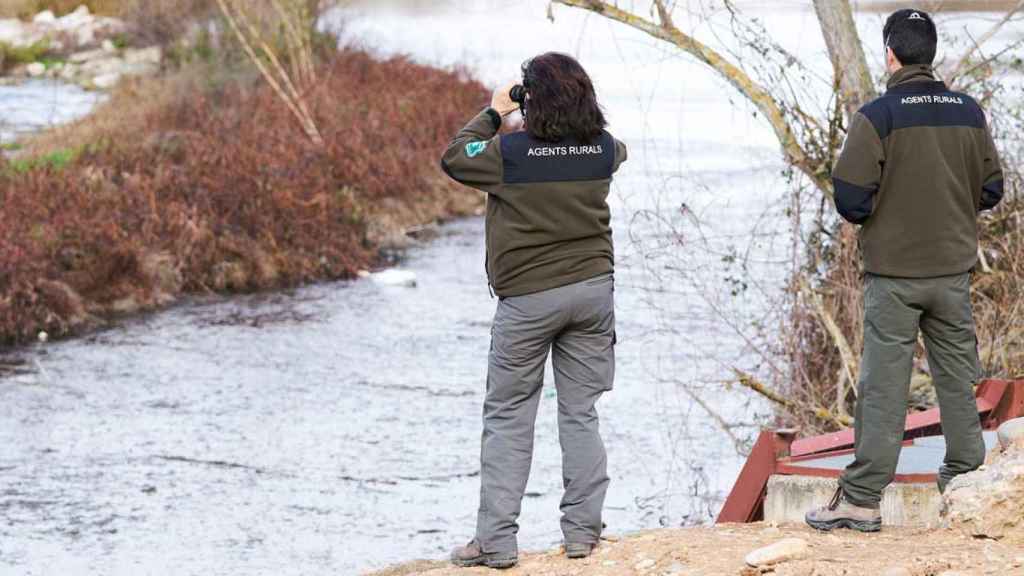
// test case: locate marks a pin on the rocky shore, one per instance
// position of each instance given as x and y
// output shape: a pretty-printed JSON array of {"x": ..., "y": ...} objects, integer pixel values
[{"x": 81, "y": 48}]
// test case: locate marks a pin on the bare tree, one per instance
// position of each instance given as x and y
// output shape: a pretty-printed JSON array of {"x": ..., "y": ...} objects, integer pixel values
[{"x": 822, "y": 329}]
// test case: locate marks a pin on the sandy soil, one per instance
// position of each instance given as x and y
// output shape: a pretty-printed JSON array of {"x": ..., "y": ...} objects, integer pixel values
[{"x": 721, "y": 550}]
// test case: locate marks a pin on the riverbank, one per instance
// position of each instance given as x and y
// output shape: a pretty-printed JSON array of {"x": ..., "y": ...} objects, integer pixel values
[
  {"x": 722, "y": 550},
  {"x": 981, "y": 534},
  {"x": 199, "y": 181}
]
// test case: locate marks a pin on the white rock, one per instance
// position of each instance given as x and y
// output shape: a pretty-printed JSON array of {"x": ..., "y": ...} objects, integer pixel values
[
  {"x": 80, "y": 16},
  {"x": 88, "y": 56},
  {"x": 106, "y": 81},
  {"x": 781, "y": 551},
  {"x": 14, "y": 32},
  {"x": 896, "y": 571},
  {"x": 644, "y": 564},
  {"x": 108, "y": 46},
  {"x": 986, "y": 503},
  {"x": 36, "y": 69},
  {"x": 103, "y": 66},
  {"x": 153, "y": 56},
  {"x": 85, "y": 35},
  {"x": 675, "y": 569},
  {"x": 1011, "y": 431},
  {"x": 44, "y": 17},
  {"x": 395, "y": 277},
  {"x": 43, "y": 336}
]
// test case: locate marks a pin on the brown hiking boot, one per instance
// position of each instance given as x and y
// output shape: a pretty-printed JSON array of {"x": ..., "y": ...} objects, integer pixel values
[
  {"x": 472, "y": 555},
  {"x": 840, "y": 513},
  {"x": 579, "y": 549}
]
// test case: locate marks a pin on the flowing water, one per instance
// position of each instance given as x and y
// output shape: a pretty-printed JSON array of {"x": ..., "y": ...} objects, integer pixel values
[
  {"x": 38, "y": 104},
  {"x": 335, "y": 428}
]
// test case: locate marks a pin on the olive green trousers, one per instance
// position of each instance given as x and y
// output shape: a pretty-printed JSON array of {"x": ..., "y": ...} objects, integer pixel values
[{"x": 894, "y": 310}]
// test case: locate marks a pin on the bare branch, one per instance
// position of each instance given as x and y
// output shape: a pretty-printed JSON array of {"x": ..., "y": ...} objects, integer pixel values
[
  {"x": 819, "y": 412},
  {"x": 958, "y": 69},
  {"x": 758, "y": 95},
  {"x": 988, "y": 60},
  {"x": 664, "y": 14},
  {"x": 845, "y": 351}
]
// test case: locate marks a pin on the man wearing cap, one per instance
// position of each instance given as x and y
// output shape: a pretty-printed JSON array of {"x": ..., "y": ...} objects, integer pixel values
[{"x": 918, "y": 165}]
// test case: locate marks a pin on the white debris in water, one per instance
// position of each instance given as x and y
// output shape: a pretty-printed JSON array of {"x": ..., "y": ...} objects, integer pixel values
[
  {"x": 43, "y": 337},
  {"x": 395, "y": 277}
]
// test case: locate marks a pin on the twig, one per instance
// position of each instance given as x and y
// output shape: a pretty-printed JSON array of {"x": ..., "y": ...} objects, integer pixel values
[
  {"x": 957, "y": 69},
  {"x": 819, "y": 412},
  {"x": 845, "y": 351},
  {"x": 287, "y": 93},
  {"x": 985, "y": 268},
  {"x": 738, "y": 444}
]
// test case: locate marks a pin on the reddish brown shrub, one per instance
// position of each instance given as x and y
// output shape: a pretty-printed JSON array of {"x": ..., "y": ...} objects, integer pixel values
[{"x": 227, "y": 189}]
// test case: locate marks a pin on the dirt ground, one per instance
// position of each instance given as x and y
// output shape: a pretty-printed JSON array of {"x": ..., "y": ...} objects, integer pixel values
[{"x": 721, "y": 550}]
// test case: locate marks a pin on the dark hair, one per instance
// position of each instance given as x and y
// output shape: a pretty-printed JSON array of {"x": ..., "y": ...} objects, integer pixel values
[
  {"x": 912, "y": 36},
  {"x": 561, "y": 102}
]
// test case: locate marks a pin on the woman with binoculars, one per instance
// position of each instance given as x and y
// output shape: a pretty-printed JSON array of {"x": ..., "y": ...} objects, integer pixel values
[{"x": 551, "y": 263}]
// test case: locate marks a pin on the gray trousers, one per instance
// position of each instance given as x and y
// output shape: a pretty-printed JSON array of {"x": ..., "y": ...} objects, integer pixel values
[
  {"x": 577, "y": 324},
  {"x": 894, "y": 309}
]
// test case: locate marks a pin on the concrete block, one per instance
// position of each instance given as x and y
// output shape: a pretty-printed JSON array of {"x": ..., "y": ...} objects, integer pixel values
[{"x": 790, "y": 497}]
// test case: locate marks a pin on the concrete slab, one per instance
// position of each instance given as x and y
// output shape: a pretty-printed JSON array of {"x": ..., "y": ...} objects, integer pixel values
[{"x": 790, "y": 497}]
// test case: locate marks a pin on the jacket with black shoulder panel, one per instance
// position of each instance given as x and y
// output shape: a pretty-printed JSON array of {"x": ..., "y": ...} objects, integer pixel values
[
  {"x": 548, "y": 222},
  {"x": 918, "y": 165}
]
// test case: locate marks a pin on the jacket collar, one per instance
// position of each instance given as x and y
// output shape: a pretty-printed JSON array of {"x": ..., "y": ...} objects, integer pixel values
[{"x": 915, "y": 78}]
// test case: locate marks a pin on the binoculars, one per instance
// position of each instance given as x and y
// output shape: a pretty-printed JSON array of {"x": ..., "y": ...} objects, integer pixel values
[{"x": 518, "y": 94}]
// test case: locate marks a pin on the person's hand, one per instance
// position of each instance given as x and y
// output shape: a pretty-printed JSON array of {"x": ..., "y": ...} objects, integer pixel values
[{"x": 502, "y": 102}]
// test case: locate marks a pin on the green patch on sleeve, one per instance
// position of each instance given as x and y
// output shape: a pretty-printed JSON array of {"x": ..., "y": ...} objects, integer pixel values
[{"x": 474, "y": 149}]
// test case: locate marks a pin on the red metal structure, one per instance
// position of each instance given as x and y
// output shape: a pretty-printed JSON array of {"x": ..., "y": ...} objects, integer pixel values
[{"x": 781, "y": 452}]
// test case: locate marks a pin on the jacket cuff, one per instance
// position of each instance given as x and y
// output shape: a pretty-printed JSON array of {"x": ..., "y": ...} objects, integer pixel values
[{"x": 495, "y": 118}]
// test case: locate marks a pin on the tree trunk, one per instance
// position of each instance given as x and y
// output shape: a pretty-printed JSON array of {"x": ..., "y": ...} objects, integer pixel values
[{"x": 847, "y": 53}]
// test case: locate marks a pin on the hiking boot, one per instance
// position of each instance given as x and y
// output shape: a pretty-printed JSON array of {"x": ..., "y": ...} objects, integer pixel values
[
  {"x": 471, "y": 555},
  {"x": 841, "y": 513},
  {"x": 578, "y": 549}
]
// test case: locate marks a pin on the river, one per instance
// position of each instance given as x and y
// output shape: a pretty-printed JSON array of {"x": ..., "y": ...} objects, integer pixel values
[
  {"x": 335, "y": 428},
  {"x": 39, "y": 104}
]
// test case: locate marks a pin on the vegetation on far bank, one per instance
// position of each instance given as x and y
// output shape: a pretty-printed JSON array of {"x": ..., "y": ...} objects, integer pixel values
[
  {"x": 26, "y": 9},
  {"x": 202, "y": 181}
]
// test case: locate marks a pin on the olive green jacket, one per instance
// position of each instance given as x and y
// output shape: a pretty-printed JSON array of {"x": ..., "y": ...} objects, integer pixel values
[
  {"x": 917, "y": 166},
  {"x": 548, "y": 222}
]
